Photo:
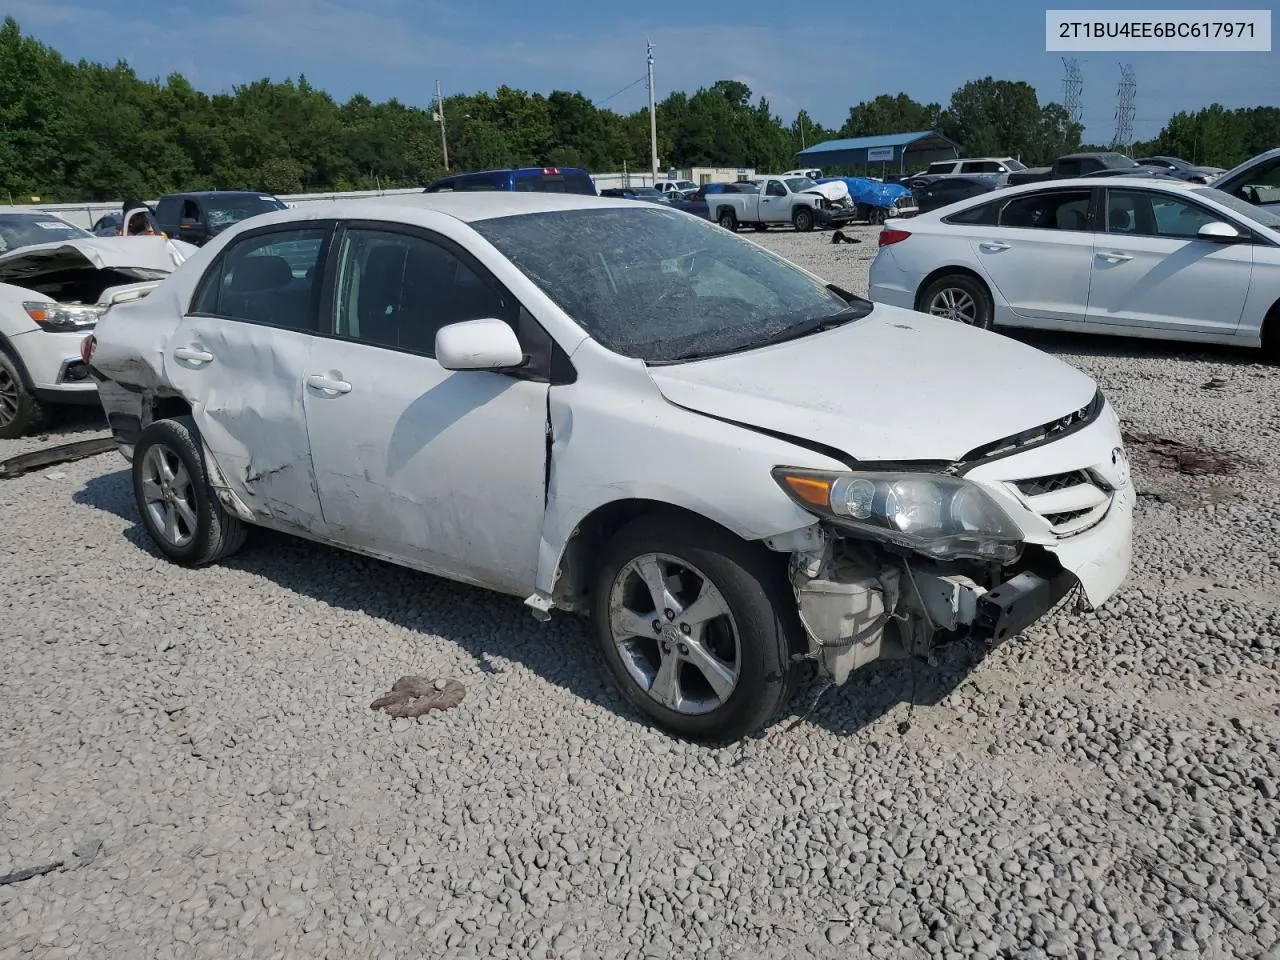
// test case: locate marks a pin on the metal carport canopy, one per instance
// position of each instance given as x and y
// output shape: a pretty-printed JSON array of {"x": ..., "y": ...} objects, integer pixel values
[{"x": 925, "y": 146}]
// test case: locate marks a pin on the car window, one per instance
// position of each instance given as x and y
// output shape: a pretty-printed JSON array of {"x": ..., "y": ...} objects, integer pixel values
[
  {"x": 190, "y": 210},
  {"x": 223, "y": 211},
  {"x": 1144, "y": 214},
  {"x": 800, "y": 184},
  {"x": 658, "y": 285},
  {"x": 1057, "y": 210},
  {"x": 776, "y": 189},
  {"x": 26, "y": 229},
  {"x": 1259, "y": 185},
  {"x": 1068, "y": 168},
  {"x": 982, "y": 215},
  {"x": 1268, "y": 218},
  {"x": 397, "y": 290},
  {"x": 980, "y": 166},
  {"x": 941, "y": 167},
  {"x": 471, "y": 184},
  {"x": 270, "y": 278}
]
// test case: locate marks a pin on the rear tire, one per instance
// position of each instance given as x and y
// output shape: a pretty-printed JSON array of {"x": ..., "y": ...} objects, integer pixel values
[
  {"x": 20, "y": 411},
  {"x": 729, "y": 673},
  {"x": 959, "y": 297},
  {"x": 178, "y": 507},
  {"x": 729, "y": 220}
]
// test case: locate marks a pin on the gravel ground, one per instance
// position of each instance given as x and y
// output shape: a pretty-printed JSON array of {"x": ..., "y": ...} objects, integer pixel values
[{"x": 1107, "y": 785}]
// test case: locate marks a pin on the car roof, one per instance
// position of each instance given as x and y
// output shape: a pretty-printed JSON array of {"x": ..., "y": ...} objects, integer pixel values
[{"x": 467, "y": 207}]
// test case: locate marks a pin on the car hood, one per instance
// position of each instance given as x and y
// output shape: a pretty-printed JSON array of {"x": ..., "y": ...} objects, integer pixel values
[
  {"x": 835, "y": 190},
  {"x": 894, "y": 386},
  {"x": 143, "y": 258}
]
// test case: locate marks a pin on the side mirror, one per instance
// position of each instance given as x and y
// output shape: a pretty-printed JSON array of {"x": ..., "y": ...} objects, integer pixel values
[
  {"x": 478, "y": 345},
  {"x": 1218, "y": 231}
]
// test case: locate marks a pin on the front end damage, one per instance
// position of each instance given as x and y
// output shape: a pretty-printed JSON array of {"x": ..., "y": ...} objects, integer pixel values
[{"x": 865, "y": 592}]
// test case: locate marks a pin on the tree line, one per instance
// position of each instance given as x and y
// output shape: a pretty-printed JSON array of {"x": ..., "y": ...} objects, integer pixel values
[{"x": 89, "y": 132}]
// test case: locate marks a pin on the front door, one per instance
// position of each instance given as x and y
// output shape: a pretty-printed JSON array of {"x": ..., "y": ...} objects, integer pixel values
[
  {"x": 240, "y": 355},
  {"x": 441, "y": 470},
  {"x": 775, "y": 203},
  {"x": 1151, "y": 270},
  {"x": 1041, "y": 254}
]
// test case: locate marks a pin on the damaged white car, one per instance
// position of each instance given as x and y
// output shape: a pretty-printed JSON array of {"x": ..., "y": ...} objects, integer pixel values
[
  {"x": 623, "y": 411},
  {"x": 52, "y": 279}
]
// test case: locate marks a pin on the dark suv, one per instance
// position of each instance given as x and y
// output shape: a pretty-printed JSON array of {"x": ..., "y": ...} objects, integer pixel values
[{"x": 199, "y": 217}]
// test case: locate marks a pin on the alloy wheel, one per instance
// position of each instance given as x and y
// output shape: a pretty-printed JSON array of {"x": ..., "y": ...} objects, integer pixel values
[
  {"x": 169, "y": 495},
  {"x": 954, "y": 304},
  {"x": 10, "y": 398},
  {"x": 675, "y": 634}
]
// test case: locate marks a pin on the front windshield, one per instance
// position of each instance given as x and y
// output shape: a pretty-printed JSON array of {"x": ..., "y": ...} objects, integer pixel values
[
  {"x": 659, "y": 285},
  {"x": 799, "y": 184},
  {"x": 1118, "y": 161},
  {"x": 19, "y": 230},
  {"x": 224, "y": 211},
  {"x": 1258, "y": 214},
  {"x": 1015, "y": 165}
]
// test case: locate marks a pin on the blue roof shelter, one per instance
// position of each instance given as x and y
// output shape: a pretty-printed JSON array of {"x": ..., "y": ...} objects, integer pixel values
[{"x": 898, "y": 150}]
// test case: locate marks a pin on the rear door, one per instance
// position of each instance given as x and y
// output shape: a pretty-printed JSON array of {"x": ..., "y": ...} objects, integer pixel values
[
  {"x": 1040, "y": 255},
  {"x": 239, "y": 356},
  {"x": 1151, "y": 270}
]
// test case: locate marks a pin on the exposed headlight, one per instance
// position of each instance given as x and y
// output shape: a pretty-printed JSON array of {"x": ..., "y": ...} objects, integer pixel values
[
  {"x": 945, "y": 517},
  {"x": 61, "y": 317}
]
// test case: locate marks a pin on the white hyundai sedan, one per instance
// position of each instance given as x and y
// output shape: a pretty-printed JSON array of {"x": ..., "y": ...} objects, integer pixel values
[
  {"x": 1131, "y": 256},
  {"x": 624, "y": 411}
]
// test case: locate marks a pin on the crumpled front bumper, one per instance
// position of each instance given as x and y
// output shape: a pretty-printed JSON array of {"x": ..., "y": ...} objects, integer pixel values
[{"x": 834, "y": 216}]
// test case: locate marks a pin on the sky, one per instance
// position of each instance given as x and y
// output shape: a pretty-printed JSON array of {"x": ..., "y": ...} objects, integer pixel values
[{"x": 823, "y": 62}]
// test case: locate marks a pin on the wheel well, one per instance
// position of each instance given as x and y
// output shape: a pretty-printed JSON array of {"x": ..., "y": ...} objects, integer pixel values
[
  {"x": 167, "y": 408},
  {"x": 572, "y": 589},
  {"x": 6, "y": 347},
  {"x": 947, "y": 271}
]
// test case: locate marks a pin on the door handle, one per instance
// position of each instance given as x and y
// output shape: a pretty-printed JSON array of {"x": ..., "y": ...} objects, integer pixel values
[
  {"x": 1114, "y": 257},
  {"x": 328, "y": 384},
  {"x": 994, "y": 246},
  {"x": 193, "y": 355}
]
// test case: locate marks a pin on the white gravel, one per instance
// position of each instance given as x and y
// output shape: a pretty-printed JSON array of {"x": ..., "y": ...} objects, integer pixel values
[{"x": 1106, "y": 786}]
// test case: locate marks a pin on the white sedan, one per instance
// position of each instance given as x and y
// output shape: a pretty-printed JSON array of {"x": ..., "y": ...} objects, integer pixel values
[
  {"x": 1135, "y": 257},
  {"x": 620, "y": 410}
]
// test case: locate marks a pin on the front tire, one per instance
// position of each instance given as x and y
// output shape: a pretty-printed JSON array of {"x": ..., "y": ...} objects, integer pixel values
[
  {"x": 959, "y": 297},
  {"x": 802, "y": 220},
  {"x": 20, "y": 411},
  {"x": 696, "y": 626},
  {"x": 178, "y": 507}
]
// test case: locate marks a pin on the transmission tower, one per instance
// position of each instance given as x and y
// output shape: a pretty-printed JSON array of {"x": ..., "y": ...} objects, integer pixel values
[
  {"x": 1126, "y": 94},
  {"x": 1072, "y": 87}
]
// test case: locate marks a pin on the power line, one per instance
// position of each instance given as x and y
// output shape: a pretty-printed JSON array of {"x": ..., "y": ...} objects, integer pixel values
[{"x": 633, "y": 83}]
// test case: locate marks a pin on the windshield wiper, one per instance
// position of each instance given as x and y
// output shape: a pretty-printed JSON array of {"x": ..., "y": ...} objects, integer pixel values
[{"x": 816, "y": 325}]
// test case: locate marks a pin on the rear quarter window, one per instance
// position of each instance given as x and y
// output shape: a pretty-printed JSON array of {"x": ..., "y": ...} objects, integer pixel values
[{"x": 983, "y": 215}]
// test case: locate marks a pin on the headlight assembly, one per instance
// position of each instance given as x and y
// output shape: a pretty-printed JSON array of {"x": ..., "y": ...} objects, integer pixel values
[
  {"x": 61, "y": 317},
  {"x": 944, "y": 517}
]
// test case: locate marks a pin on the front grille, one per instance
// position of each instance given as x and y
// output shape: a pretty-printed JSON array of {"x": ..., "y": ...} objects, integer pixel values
[
  {"x": 1059, "y": 481},
  {"x": 1069, "y": 502}
]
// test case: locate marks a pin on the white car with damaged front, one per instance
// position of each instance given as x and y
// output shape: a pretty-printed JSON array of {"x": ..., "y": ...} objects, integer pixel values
[
  {"x": 1139, "y": 257},
  {"x": 620, "y": 410}
]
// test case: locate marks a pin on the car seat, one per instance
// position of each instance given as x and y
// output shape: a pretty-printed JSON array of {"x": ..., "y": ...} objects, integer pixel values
[{"x": 1119, "y": 220}]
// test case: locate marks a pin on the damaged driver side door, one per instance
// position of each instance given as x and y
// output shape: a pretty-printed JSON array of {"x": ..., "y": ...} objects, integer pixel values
[
  {"x": 441, "y": 470},
  {"x": 239, "y": 356}
]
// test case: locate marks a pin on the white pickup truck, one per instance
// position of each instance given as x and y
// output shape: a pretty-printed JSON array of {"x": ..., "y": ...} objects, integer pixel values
[{"x": 773, "y": 201}]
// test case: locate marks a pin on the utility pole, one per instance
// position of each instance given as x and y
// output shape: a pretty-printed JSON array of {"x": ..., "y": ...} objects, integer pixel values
[
  {"x": 444, "y": 141},
  {"x": 653, "y": 121}
]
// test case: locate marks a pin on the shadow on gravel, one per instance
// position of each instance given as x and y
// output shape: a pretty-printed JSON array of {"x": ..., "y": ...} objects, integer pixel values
[
  {"x": 1083, "y": 344},
  {"x": 492, "y": 628}
]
